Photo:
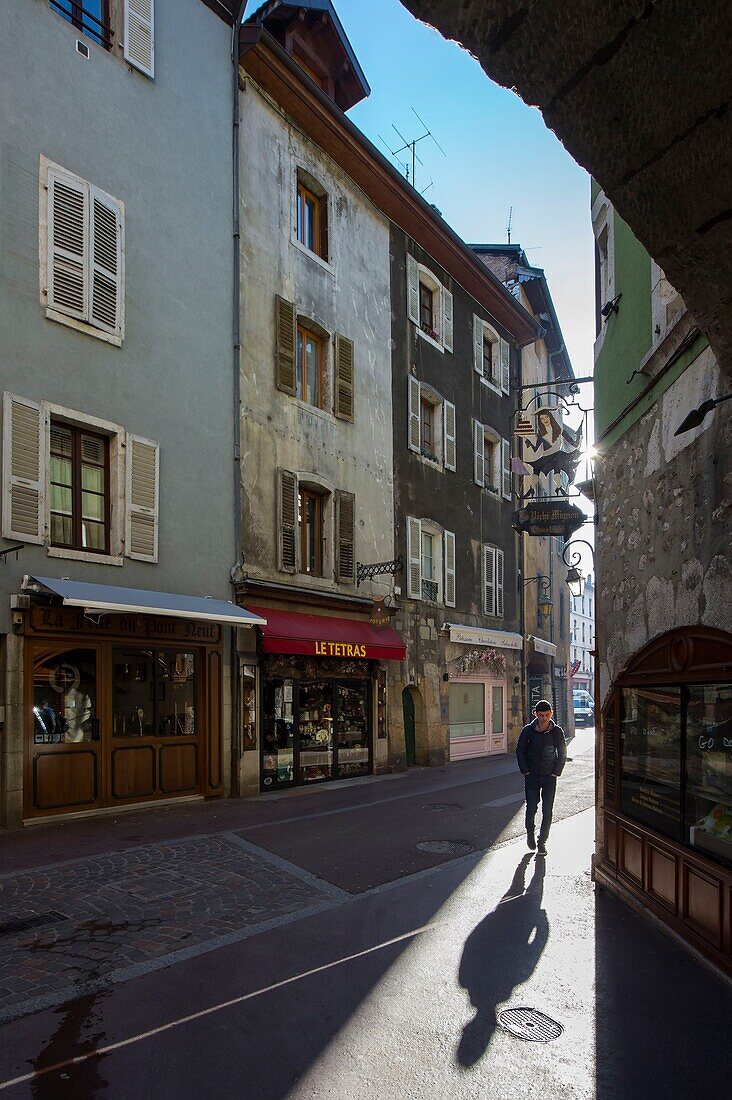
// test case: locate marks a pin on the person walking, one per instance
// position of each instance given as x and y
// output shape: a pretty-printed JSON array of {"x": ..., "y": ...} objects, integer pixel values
[{"x": 541, "y": 753}]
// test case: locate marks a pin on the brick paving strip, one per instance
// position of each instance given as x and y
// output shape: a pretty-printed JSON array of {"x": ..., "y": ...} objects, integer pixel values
[{"x": 74, "y": 928}]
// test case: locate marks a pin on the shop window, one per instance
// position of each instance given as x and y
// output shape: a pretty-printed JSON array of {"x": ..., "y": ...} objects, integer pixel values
[
  {"x": 278, "y": 733},
  {"x": 309, "y": 367},
  {"x": 65, "y": 697},
  {"x": 708, "y": 769},
  {"x": 154, "y": 693},
  {"x": 79, "y": 481},
  {"x": 312, "y": 213},
  {"x": 650, "y": 737},
  {"x": 310, "y": 522}
]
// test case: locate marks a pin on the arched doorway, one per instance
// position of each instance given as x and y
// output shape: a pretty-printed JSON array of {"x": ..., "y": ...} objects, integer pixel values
[{"x": 410, "y": 750}]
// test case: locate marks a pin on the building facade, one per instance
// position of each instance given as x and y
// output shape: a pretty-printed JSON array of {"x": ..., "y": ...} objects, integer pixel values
[
  {"x": 582, "y": 629},
  {"x": 664, "y": 827},
  {"x": 115, "y": 329}
]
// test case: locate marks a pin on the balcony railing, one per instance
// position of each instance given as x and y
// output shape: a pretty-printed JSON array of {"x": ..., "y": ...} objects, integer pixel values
[
  {"x": 430, "y": 591},
  {"x": 84, "y": 20}
]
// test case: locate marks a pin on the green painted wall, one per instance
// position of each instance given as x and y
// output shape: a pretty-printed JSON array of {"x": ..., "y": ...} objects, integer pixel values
[{"x": 627, "y": 332}]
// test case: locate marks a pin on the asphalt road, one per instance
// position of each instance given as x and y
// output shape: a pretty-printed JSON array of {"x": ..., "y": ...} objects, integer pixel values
[{"x": 390, "y": 989}]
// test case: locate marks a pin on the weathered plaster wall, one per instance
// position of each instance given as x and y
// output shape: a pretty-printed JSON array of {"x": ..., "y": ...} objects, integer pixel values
[
  {"x": 349, "y": 295},
  {"x": 665, "y": 508}
]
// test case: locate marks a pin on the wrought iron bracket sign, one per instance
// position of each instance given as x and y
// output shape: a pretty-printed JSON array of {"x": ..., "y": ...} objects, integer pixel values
[
  {"x": 542, "y": 519},
  {"x": 366, "y": 572}
]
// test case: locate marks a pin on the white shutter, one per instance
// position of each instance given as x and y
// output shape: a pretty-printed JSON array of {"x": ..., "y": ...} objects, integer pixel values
[
  {"x": 449, "y": 554},
  {"x": 68, "y": 244},
  {"x": 414, "y": 558},
  {"x": 477, "y": 345},
  {"x": 506, "y": 452},
  {"x": 478, "y": 453},
  {"x": 505, "y": 354},
  {"x": 414, "y": 441},
  {"x": 489, "y": 588},
  {"x": 140, "y": 35},
  {"x": 105, "y": 262},
  {"x": 143, "y": 478},
  {"x": 412, "y": 289},
  {"x": 448, "y": 431},
  {"x": 24, "y": 470},
  {"x": 499, "y": 581},
  {"x": 447, "y": 323}
]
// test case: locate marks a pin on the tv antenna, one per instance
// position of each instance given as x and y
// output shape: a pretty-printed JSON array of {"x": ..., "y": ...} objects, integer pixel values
[
  {"x": 508, "y": 227},
  {"x": 411, "y": 147}
]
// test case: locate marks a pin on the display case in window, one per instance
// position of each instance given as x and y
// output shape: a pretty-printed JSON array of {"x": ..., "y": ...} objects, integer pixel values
[
  {"x": 353, "y": 726},
  {"x": 709, "y": 769},
  {"x": 315, "y": 731}
]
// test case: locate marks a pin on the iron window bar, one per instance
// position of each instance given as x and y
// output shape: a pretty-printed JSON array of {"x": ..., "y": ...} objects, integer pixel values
[
  {"x": 79, "y": 17},
  {"x": 430, "y": 591}
]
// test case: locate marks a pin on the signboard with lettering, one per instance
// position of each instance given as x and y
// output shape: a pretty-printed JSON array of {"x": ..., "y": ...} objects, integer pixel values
[
  {"x": 473, "y": 635},
  {"x": 62, "y": 620},
  {"x": 381, "y": 613},
  {"x": 546, "y": 518}
]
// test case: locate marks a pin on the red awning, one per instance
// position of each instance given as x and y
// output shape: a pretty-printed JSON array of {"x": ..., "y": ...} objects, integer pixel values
[{"x": 323, "y": 636}]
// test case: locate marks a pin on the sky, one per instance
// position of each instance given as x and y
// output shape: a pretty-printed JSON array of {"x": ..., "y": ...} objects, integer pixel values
[{"x": 500, "y": 154}]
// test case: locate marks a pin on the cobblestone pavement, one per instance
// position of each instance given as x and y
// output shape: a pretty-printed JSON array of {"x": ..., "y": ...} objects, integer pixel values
[{"x": 72, "y": 928}]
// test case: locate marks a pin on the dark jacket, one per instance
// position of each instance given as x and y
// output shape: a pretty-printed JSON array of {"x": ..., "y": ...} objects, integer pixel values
[{"x": 530, "y": 746}]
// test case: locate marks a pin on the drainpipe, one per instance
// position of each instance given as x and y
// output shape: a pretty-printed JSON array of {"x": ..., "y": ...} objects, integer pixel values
[{"x": 236, "y": 366}]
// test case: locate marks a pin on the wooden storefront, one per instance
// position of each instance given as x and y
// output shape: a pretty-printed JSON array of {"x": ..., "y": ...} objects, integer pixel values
[
  {"x": 665, "y": 787},
  {"x": 120, "y": 709}
]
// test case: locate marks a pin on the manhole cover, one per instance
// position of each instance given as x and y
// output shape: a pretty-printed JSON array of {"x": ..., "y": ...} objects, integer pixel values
[
  {"x": 446, "y": 847},
  {"x": 529, "y": 1023},
  {"x": 441, "y": 807},
  {"x": 24, "y": 924}
]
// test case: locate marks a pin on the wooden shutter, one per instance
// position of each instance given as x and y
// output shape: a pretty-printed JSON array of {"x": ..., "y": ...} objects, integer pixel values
[
  {"x": 412, "y": 289},
  {"x": 505, "y": 355},
  {"x": 287, "y": 521},
  {"x": 448, "y": 426},
  {"x": 143, "y": 476},
  {"x": 499, "y": 581},
  {"x": 414, "y": 558},
  {"x": 447, "y": 322},
  {"x": 24, "y": 470},
  {"x": 449, "y": 554},
  {"x": 506, "y": 453},
  {"x": 477, "y": 345},
  {"x": 415, "y": 423},
  {"x": 68, "y": 244},
  {"x": 345, "y": 518},
  {"x": 286, "y": 325},
  {"x": 478, "y": 453},
  {"x": 139, "y": 34},
  {"x": 489, "y": 587},
  {"x": 344, "y": 378},
  {"x": 105, "y": 266}
]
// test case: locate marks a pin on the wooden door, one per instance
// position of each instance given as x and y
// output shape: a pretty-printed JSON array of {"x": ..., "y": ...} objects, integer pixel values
[{"x": 63, "y": 738}]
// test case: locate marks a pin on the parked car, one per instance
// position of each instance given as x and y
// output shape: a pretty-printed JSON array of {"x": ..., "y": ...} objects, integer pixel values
[{"x": 584, "y": 708}]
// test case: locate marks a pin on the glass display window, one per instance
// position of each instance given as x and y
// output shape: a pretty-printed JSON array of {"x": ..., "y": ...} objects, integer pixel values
[
  {"x": 315, "y": 731},
  {"x": 153, "y": 693},
  {"x": 708, "y": 794},
  {"x": 65, "y": 697},
  {"x": 278, "y": 734},
  {"x": 467, "y": 710},
  {"x": 352, "y": 729},
  {"x": 650, "y": 739}
]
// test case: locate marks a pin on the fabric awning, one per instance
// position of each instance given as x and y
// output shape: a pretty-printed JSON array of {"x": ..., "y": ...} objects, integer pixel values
[
  {"x": 325, "y": 636},
  {"x": 107, "y": 597}
]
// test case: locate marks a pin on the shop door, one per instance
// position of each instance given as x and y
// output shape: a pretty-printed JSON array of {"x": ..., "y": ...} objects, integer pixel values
[
  {"x": 65, "y": 757},
  {"x": 498, "y": 739},
  {"x": 409, "y": 735}
]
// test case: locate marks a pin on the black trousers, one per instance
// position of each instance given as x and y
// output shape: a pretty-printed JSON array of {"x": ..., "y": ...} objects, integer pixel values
[{"x": 542, "y": 787}]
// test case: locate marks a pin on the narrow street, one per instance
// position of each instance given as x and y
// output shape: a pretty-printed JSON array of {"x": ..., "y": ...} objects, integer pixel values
[{"x": 300, "y": 956}]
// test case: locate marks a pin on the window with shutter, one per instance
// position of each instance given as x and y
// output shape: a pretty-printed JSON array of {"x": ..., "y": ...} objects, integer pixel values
[
  {"x": 499, "y": 581},
  {"x": 414, "y": 558},
  {"x": 414, "y": 441},
  {"x": 143, "y": 470},
  {"x": 345, "y": 507},
  {"x": 24, "y": 470},
  {"x": 505, "y": 356},
  {"x": 287, "y": 502},
  {"x": 84, "y": 253},
  {"x": 286, "y": 325},
  {"x": 412, "y": 289},
  {"x": 447, "y": 321},
  {"x": 477, "y": 345},
  {"x": 449, "y": 428},
  {"x": 139, "y": 35},
  {"x": 344, "y": 378},
  {"x": 449, "y": 551},
  {"x": 489, "y": 587},
  {"x": 478, "y": 453},
  {"x": 506, "y": 453}
]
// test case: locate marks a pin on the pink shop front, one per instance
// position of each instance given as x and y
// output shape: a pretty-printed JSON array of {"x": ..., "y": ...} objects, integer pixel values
[{"x": 483, "y": 700}]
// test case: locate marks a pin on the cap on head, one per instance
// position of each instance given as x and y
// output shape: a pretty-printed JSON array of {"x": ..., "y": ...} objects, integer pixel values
[{"x": 543, "y": 705}]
